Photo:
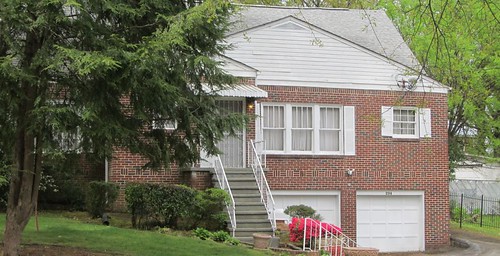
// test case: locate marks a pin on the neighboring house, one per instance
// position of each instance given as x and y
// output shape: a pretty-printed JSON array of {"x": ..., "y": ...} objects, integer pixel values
[
  {"x": 476, "y": 179},
  {"x": 348, "y": 127}
]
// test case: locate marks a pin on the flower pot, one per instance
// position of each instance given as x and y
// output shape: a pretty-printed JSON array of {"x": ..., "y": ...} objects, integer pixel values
[{"x": 261, "y": 241}]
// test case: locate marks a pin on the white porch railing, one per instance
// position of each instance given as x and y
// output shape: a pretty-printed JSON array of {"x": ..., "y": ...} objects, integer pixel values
[
  {"x": 325, "y": 237},
  {"x": 260, "y": 149},
  {"x": 224, "y": 184},
  {"x": 265, "y": 192}
]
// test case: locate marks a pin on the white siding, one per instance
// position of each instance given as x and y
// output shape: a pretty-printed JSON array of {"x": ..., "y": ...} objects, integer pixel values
[{"x": 297, "y": 55}]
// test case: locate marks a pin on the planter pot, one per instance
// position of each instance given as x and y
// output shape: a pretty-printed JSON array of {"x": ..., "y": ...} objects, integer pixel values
[
  {"x": 261, "y": 241},
  {"x": 360, "y": 251},
  {"x": 274, "y": 242}
]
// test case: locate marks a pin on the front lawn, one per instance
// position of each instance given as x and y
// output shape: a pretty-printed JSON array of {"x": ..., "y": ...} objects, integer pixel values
[
  {"x": 57, "y": 230},
  {"x": 484, "y": 230}
]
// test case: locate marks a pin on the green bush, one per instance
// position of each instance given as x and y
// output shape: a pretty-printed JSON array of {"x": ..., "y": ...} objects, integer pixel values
[
  {"x": 99, "y": 196},
  {"x": 66, "y": 191},
  {"x": 158, "y": 205},
  {"x": 202, "y": 233},
  {"x": 455, "y": 214},
  {"x": 208, "y": 209},
  {"x": 302, "y": 211},
  {"x": 232, "y": 241},
  {"x": 220, "y": 236},
  {"x": 217, "y": 236},
  {"x": 136, "y": 198}
]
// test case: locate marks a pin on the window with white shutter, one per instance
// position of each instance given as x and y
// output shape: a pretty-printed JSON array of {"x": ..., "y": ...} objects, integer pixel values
[{"x": 406, "y": 122}]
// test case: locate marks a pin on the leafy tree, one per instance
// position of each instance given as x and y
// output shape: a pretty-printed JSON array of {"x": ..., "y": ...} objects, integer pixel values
[
  {"x": 457, "y": 43},
  {"x": 315, "y": 3},
  {"x": 104, "y": 71}
]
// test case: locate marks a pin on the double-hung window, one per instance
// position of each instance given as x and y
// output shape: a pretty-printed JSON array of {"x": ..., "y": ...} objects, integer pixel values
[
  {"x": 406, "y": 122},
  {"x": 329, "y": 130},
  {"x": 274, "y": 127},
  {"x": 302, "y": 128},
  {"x": 307, "y": 128}
]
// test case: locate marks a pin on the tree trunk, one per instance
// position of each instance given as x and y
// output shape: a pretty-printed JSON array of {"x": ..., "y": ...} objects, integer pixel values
[
  {"x": 25, "y": 178},
  {"x": 13, "y": 231}
]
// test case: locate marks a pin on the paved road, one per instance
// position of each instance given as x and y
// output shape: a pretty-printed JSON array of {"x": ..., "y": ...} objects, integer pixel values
[{"x": 478, "y": 245}]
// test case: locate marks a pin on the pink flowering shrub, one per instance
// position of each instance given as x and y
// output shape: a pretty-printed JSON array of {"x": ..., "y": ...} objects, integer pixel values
[{"x": 312, "y": 229}]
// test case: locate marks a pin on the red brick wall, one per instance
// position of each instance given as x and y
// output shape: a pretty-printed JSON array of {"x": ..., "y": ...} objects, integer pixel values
[{"x": 380, "y": 163}]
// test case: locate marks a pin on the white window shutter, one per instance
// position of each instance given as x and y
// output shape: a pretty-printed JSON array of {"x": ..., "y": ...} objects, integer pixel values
[
  {"x": 387, "y": 121},
  {"x": 425, "y": 122},
  {"x": 349, "y": 131}
]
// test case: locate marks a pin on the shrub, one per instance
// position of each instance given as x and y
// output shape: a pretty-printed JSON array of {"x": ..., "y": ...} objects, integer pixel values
[
  {"x": 208, "y": 211},
  {"x": 297, "y": 225},
  {"x": 455, "y": 214},
  {"x": 302, "y": 211},
  {"x": 171, "y": 202},
  {"x": 99, "y": 196},
  {"x": 220, "y": 236},
  {"x": 158, "y": 205},
  {"x": 202, "y": 233},
  {"x": 136, "y": 198},
  {"x": 232, "y": 241}
]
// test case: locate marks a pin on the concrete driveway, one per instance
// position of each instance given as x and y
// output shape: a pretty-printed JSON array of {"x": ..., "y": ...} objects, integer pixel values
[{"x": 464, "y": 244}]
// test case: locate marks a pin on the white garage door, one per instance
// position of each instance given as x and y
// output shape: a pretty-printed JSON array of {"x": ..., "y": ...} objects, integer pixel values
[
  {"x": 326, "y": 203},
  {"x": 391, "y": 223}
]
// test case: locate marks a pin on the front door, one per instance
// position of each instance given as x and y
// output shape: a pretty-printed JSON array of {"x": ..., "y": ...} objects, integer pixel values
[{"x": 232, "y": 147}]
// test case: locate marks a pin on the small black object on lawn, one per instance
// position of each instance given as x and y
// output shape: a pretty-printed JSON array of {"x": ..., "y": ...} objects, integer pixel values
[{"x": 105, "y": 219}]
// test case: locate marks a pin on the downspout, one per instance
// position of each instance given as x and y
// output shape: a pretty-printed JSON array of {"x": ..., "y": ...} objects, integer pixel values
[{"x": 106, "y": 170}]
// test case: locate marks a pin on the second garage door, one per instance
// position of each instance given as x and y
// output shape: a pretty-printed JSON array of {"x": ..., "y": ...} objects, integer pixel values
[
  {"x": 390, "y": 221},
  {"x": 326, "y": 203}
]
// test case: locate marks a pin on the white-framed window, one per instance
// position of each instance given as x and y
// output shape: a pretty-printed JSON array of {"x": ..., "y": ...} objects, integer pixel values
[
  {"x": 406, "y": 122},
  {"x": 164, "y": 124},
  {"x": 289, "y": 128},
  {"x": 274, "y": 127},
  {"x": 302, "y": 128},
  {"x": 330, "y": 129}
]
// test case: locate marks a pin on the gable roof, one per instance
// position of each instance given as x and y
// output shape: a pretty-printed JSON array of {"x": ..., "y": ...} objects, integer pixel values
[{"x": 371, "y": 29}]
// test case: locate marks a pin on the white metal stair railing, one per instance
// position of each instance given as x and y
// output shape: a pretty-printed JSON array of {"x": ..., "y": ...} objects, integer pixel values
[
  {"x": 224, "y": 184},
  {"x": 265, "y": 192},
  {"x": 318, "y": 236}
]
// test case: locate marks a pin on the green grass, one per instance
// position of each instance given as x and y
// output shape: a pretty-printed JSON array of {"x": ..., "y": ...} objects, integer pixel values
[
  {"x": 484, "y": 230},
  {"x": 57, "y": 230}
]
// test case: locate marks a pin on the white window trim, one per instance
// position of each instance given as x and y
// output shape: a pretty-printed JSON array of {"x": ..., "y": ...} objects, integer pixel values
[
  {"x": 422, "y": 122},
  {"x": 316, "y": 128},
  {"x": 417, "y": 125}
]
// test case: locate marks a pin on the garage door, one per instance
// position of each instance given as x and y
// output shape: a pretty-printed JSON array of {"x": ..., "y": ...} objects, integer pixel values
[
  {"x": 326, "y": 203},
  {"x": 391, "y": 223}
]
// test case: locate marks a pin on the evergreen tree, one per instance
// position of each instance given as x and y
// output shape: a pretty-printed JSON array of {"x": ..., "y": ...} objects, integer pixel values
[{"x": 104, "y": 72}]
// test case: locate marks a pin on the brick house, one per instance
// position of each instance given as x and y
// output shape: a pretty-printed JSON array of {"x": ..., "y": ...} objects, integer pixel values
[{"x": 344, "y": 122}]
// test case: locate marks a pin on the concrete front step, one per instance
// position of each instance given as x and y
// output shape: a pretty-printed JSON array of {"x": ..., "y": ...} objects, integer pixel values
[
  {"x": 250, "y": 206},
  {"x": 259, "y": 223},
  {"x": 239, "y": 184},
  {"x": 248, "y": 232},
  {"x": 251, "y": 214}
]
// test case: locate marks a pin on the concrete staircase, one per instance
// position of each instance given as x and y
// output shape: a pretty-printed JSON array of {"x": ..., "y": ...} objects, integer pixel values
[{"x": 251, "y": 215}]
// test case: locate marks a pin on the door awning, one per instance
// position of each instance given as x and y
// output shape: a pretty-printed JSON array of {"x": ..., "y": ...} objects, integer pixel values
[{"x": 240, "y": 90}]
